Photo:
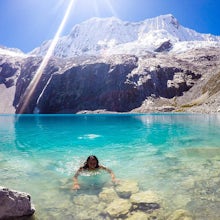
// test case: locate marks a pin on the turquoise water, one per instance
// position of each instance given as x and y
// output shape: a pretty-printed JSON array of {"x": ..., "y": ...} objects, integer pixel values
[{"x": 175, "y": 155}]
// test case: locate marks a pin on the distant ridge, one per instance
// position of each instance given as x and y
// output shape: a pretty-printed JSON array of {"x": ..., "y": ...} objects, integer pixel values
[
  {"x": 114, "y": 36},
  {"x": 10, "y": 51}
]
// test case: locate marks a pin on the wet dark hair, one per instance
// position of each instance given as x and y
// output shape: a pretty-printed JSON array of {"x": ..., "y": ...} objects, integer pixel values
[{"x": 91, "y": 157}]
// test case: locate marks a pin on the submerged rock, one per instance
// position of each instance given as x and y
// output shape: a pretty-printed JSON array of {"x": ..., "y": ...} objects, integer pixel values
[
  {"x": 145, "y": 207},
  {"x": 126, "y": 188},
  {"x": 147, "y": 201},
  {"x": 108, "y": 195},
  {"x": 118, "y": 208},
  {"x": 87, "y": 207},
  {"x": 180, "y": 215},
  {"x": 14, "y": 204},
  {"x": 86, "y": 200},
  {"x": 138, "y": 216},
  {"x": 145, "y": 197}
]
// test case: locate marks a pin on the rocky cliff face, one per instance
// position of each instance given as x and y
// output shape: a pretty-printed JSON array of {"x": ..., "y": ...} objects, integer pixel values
[
  {"x": 166, "y": 81},
  {"x": 10, "y": 69},
  {"x": 204, "y": 95}
]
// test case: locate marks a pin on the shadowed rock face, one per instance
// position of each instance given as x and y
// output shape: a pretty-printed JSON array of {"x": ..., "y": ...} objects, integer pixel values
[
  {"x": 93, "y": 86},
  {"x": 8, "y": 71},
  {"x": 165, "y": 46},
  {"x": 109, "y": 86},
  {"x": 118, "y": 83},
  {"x": 29, "y": 69}
]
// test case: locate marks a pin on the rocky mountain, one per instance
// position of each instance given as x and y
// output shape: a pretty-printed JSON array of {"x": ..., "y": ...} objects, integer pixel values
[
  {"x": 108, "y": 36},
  {"x": 11, "y": 51},
  {"x": 153, "y": 76}
]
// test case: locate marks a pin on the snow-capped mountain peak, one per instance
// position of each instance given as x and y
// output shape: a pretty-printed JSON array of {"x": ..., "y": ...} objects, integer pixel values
[
  {"x": 162, "y": 22},
  {"x": 11, "y": 52},
  {"x": 112, "y": 35}
]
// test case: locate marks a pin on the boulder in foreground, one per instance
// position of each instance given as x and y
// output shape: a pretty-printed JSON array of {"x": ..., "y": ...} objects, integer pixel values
[{"x": 14, "y": 204}]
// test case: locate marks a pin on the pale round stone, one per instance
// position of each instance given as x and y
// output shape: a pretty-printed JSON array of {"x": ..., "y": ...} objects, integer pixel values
[
  {"x": 108, "y": 195},
  {"x": 145, "y": 197},
  {"x": 118, "y": 207},
  {"x": 180, "y": 214},
  {"x": 126, "y": 188}
]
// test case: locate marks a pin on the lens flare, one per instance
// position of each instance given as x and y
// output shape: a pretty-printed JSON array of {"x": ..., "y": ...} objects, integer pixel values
[
  {"x": 33, "y": 84},
  {"x": 111, "y": 8},
  {"x": 96, "y": 9}
]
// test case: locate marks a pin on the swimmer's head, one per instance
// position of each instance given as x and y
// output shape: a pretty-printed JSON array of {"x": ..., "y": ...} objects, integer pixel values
[{"x": 92, "y": 162}]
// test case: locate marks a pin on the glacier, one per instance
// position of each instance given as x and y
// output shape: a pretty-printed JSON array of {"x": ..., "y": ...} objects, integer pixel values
[{"x": 107, "y": 36}]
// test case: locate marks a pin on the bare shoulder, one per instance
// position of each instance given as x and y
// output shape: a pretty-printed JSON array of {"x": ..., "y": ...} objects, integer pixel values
[
  {"x": 79, "y": 171},
  {"x": 104, "y": 168}
]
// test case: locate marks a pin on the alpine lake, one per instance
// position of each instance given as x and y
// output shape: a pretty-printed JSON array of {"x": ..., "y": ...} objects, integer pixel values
[{"x": 167, "y": 165}]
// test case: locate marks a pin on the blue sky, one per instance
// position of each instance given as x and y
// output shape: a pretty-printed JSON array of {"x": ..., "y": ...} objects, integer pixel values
[{"x": 25, "y": 24}]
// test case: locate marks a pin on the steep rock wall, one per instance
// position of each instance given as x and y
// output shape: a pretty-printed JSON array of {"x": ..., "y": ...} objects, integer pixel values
[
  {"x": 111, "y": 86},
  {"x": 119, "y": 83}
]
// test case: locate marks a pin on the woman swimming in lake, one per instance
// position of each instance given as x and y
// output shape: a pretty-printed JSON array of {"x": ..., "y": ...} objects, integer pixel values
[{"x": 91, "y": 164}]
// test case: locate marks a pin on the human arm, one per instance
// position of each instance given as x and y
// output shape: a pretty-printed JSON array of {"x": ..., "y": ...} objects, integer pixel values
[
  {"x": 114, "y": 180},
  {"x": 75, "y": 179}
]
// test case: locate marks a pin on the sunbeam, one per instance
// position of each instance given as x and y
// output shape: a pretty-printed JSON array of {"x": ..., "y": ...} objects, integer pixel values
[
  {"x": 33, "y": 84},
  {"x": 96, "y": 9},
  {"x": 111, "y": 8}
]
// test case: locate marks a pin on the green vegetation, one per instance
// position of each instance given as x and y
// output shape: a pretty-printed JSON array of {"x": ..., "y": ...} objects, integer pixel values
[{"x": 197, "y": 101}]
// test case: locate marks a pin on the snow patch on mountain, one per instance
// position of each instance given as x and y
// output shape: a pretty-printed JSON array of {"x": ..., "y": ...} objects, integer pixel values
[
  {"x": 189, "y": 45},
  {"x": 11, "y": 52},
  {"x": 98, "y": 36}
]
